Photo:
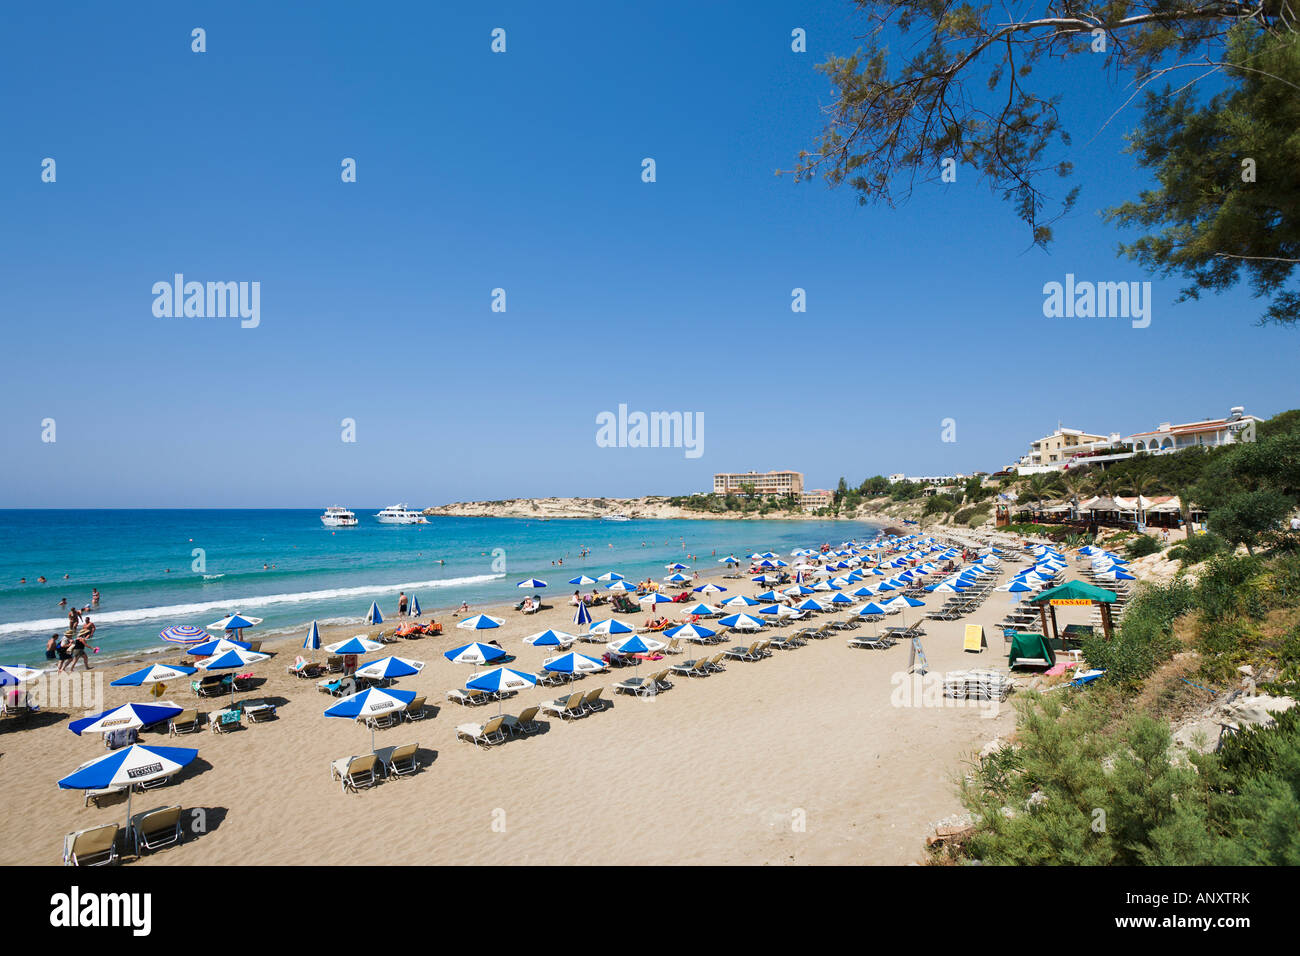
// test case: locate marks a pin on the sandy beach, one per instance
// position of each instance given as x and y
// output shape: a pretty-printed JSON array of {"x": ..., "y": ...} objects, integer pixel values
[{"x": 801, "y": 758}]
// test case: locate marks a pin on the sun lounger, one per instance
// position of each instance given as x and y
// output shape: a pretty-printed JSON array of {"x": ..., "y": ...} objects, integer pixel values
[
  {"x": 154, "y": 829},
  {"x": 334, "y": 665},
  {"x": 356, "y": 773},
  {"x": 213, "y": 686},
  {"x": 483, "y": 735},
  {"x": 524, "y": 724},
  {"x": 96, "y": 846},
  {"x": 415, "y": 709},
  {"x": 402, "y": 762},
  {"x": 384, "y": 721},
  {"x": 186, "y": 722},
  {"x": 223, "y": 721},
  {"x": 592, "y": 702},
  {"x": 564, "y": 707},
  {"x": 751, "y": 653},
  {"x": 470, "y": 699},
  {"x": 874, "y": 643},
  {"x": 258, "y": 711}
]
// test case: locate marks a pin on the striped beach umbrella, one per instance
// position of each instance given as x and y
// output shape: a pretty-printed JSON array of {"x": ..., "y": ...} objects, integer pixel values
[
  {"x": 502, "y": 680},
  {"x": 679, "y": 578},
  {"x": 740, "y": 600},
  {"x": 710, "y": 589},
  {"x": 581, "y": 615},
  {"x": 677, "y": 566},
  {"x": 636, "y": 644},
  {"x": 153, "y": 674},
  {"x": 531, "y": 583},
  {"x": 610, "y": 576},
  {"x": 415, "y": 606},
  {"x": 582, "y": 579},
  {"x": 811, "y": 604},
  {"x": 185, "y": 634},
  {"x": 701, "y": 610},
  {"x": 609, "y": 627},
  {"x": 655, "y": 597},
  {"x": 373, "y": 616},
  {"x": 312, "y": 641},
  {"x": 690, "y": 632},
  {"x": 220, "y": 646},
  {"x": 235, "y": 622},
  {"x": 17, "y": 674},
  {"x": 124, "y": 718},
  {"x": 620, "y": 586},
  {"x": 479, "y": 622},
  {"x": 741, "y": 622}
]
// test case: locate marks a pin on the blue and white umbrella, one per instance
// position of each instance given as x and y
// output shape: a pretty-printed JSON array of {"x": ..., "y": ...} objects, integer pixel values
[
  {"x": 220, "y": 646},
  {"x": 701, "y": 610},
  {"x": 154, "y": 674},
  {"x": 637, "y": 644},
  {"x": 373, "y": 616},
  {"x": 573, "y": 663},
  {"x": 235, "y": 622},
  {"x": 741, "y": 622},
  {"x": 679, "y": 578},
  {"x": 690, "y": 632},
  {"x": 185, "y": 634},
  {"x": 609, "y": 627},
  {"x": 729, "y": 559},
  {"x": 740, "y": 600},
  {"x": 232, "y": 660},
  {"x": 124, "y": 718},
  {"x": 474, "y": 654},
  {"x": 677, "y": 566},
  {"x": 415, "y": 606},
  {"x": 369, "y": 703},
  {"x": 611, "y": 576},
  {"x": 581, "y": 615},
  {"x": 811, "y": 604},
  {"x": 479, "y": 622},
  {"x": 582, "y": 579},
  {"x": 710, "y": 588},
  {"x": 17, "y": 674},
  {"x": 655, "y": 598},
  {"x": 531, "y": 583},
  {"x": 312, "y": 642},
  {"x": 550, "y": 638},
  {"x": 127, "y": 767},
  {"x": 620, "y": 586},
  {"x": 502, "y": 680},
  {"x": 387, "y": 668},
  {"x": 872, "y": 609},
  {"x": 354, "y": 646}
]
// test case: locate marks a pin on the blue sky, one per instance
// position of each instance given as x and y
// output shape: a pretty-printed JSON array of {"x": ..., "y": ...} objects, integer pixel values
[{"x": 522, "y": 171}]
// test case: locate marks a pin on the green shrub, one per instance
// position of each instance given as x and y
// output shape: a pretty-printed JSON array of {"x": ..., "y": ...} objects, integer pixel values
[
  {"x": 1200, "y": 547},
  {"x": 1145, "y": 639},
  {"x": 1141, "y": 546},
  {"x": 1231, "y": 587}
]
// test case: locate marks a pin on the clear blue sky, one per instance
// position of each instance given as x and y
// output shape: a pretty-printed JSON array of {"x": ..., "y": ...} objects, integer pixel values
[{"x": 522, "y": 171}]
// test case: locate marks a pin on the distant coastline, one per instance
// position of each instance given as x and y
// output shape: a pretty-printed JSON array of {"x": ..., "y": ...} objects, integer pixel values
[{"x": 658, "y": 507}]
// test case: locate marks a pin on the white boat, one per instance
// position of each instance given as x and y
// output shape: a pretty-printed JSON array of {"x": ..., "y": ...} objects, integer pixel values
[
  {"x": 400, "y": 514},
  {"x": 617, "y": 516},
  {"x": 336, "y": 516}
]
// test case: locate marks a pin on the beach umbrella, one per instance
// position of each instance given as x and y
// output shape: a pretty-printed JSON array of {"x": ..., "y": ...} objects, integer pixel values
[
  {"x": 354, "y": 645},
  {"x": 153, "y": 674},
  {"x": 679, "y": 578},
  {"x": 811, "y": 604},
  {"x": 550, "y": 638},
  {"x": 127, "y": 767},
  {"x": 581, "y": 615},
  {"x": 234, "y": 622},
  {"x": 902, "y": 602},
  {"x": 500, "y": 680},
  {"x": 386, "y": 668},
  {"x": 621, "y": 585},
  {"x": 531, "y": 583},
  {"x": 610, "y": 576},
  {"x": 841, "y": 600},
  {"x": 609, "y": 627},
  {"x": 741, "y": 622},
  {"x": 729, "y": 559},
  {"x": 219, "y": 646},
  {"x": 124, "y": 718},
  {"x": 677, "y": 566},
  {"x": 371, "y": 702},
  {"x": 655, "y": 598},
  {"x": 232, "y": 660},
  {"x": 740, "y": 600},
  {"x": 872, "y": 609},
  {"x": 768, "y": 597},
  {"x": 185, "y": 634},
  {"x": 373, "y": 616},
  {"x": 17, "y": 674},
  {"x": 573, "y": 663},
  {"x": 479, "y": 622},
  {"x": 690, "y": 631},
  {"x": 312, "y": 641},
  {"x": 474, "y": 654},
  {"x": 701, "y": 610},
  {"x": 710, "y": 589},
  {"x": 582, "y": 579},
  {"x": 415, "y": 606},
  {"x": 636, "y": 644}
]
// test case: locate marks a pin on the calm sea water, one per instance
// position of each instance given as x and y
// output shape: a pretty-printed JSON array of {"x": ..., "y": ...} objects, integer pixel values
[{"x": 287, "y": 568}]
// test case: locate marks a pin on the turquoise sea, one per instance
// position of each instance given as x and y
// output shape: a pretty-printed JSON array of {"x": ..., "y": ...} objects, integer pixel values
[{"x": 158, "y": 568}]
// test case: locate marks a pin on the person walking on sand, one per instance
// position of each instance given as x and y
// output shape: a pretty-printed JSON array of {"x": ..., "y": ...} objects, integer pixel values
[
  {"x": 64, "y": 652},
  {"x": 401, "y": 604}
]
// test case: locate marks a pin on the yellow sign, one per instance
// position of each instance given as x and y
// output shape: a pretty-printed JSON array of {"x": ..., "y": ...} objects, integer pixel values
[
  {"x": 975, "y": 640},
  {"x": 158, "y": 690},
  {"x": 1070, "y": 601}
]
